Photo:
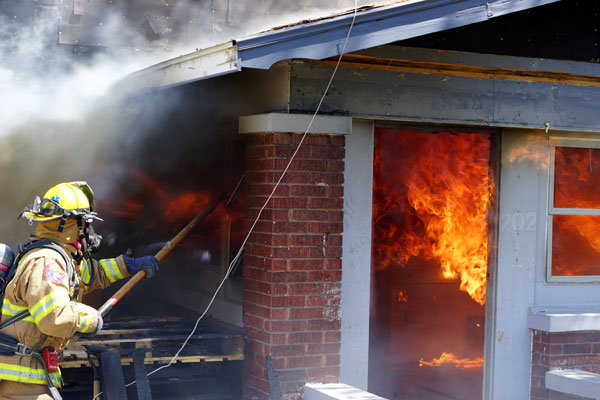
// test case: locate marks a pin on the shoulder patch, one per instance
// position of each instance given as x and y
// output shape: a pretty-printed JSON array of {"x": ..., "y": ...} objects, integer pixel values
[{"x": 55, "y": 274}]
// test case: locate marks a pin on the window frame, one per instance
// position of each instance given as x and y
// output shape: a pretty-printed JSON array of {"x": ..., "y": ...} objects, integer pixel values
[{"x": 576, "y": 142}]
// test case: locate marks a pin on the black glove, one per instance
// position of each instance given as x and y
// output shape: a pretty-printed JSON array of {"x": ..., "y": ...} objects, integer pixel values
[{"x": 149, "y": 264}]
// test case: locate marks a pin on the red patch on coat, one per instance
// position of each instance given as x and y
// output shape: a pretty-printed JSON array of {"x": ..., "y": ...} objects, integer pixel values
[{"x": 54, "y": 274}]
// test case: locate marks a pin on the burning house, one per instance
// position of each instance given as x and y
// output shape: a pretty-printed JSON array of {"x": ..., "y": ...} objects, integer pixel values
[{"x": 417, "y": 216}]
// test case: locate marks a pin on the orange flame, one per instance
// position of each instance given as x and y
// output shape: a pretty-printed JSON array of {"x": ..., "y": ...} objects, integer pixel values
[
  {"x": 402, "y": 296},
  {"x": 451, "y": 359},
  {"x": 446, "y": 180},
  {"x": 532, "y": 148},
  {"x": 576, "y": 238}
]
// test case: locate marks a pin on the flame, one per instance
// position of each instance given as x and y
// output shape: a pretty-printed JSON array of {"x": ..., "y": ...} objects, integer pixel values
[
  {"x": 576, "y": 238},
  {"x": 532, "y": 148},
  {"x": 451, "y": 359},
  {"x": 446, "y": 180},
  {"x": 402, "y": 296}
]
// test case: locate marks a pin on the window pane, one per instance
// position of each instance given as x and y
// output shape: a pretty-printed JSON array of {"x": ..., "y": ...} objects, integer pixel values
[
  {"x": 575, "y": 245},
  {"x": 576, "y": 177}
]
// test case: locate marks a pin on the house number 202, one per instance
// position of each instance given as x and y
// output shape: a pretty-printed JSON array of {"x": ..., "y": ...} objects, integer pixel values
[{"x": 518, "y": 221}]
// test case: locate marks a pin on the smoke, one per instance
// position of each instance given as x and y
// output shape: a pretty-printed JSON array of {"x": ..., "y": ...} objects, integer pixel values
[{"x": 64, "y": 115}]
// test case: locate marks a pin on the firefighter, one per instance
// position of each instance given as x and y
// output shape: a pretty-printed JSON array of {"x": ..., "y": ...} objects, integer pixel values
[{"x": 44, "y": 297}]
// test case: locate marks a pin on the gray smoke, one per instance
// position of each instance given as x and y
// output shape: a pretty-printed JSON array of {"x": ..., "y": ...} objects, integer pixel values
[{"x": 63, "y": 118}]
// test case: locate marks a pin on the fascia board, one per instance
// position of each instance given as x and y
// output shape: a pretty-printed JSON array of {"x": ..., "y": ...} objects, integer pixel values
[
  {"x": 375, "y": 27},
  {"x": 206, "y": 63}
]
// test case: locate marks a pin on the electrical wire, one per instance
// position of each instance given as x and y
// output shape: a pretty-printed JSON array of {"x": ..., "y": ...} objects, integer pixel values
[{"x": 287, "y": 167}]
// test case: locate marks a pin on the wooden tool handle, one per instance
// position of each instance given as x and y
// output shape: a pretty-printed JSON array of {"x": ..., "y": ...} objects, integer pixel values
[{"x": 162, "y": 253}]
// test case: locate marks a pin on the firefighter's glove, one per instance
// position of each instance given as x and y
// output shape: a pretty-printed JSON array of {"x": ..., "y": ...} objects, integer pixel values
[
  {"x": 98, "y": 327},
  {"x": 149, "y": 264}
]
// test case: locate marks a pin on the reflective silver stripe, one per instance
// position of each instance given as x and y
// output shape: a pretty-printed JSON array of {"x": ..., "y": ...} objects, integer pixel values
[
  {"x": 84, "y": 271},
  {"x": 19, "y": 373},
  {"x": 48, "y": 304},
  {"x": 84, "y": 320},
  {"x": 11, "y": 310},
  {"x": 111, "y": 269}
]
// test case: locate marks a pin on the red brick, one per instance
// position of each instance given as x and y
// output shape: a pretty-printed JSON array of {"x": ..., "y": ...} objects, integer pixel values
[
  {"x": 323, "y": 348},
  {"x": 308, "y": 190},
  {"x": 324, "y": 227},
  {"x": 256, "y": 310},
  {"x": 333, "y": 252},
  {"x": 289, "y": 202},
  {"x": 285, "y": 326},
  {"x": 325, "y": 276},
  {"x": 311, "y": 140},
  {"x": 310, "y": 264},
  {"x": 303, "y": 362},
  {"x": 309, "y": 215},
  {"x": 337, "y": 140},
  {"x": 333, "y": 336},
  {"x": 304, "y": 337},
  {"x": 294, "y": 276},
  {"x": 321, "y": 373},
  {"x": 323, "y": 300},
  {"x": 539, "y": 370},
  {"x": 586, "y": 337},
  {"x": 334, "y": 240},
  {"x": 279, "y": 313},
  {"x": 332, "y": 360},
  {"x": 296, "y": 177},
  {"x": 257, "y": 383},
  {"x": 257, "y": 334},
  {"x": 263, "y": 189},
  {"x": 324, "y": 325},
  {"x": 333, "y": 264},
  {"x": 326, "y": 203},
  {"x": 253, "y": 152},
  {"x": 288, "y": 350},
  {"x": 335, "y": 216},
  {"x": 288, "y": 301},
  {"x": 330, "y": 178},
  {"x": 328, "y": 153},
  {"x": 306, "y": 313},
  {"x": 251, "y": 320},
  {"x": 256, "y": 371},
  {"x": 315, "y": 288},
  {"x": 574, "y": 360},
  {"x": 256, "y": 274},
  {"x": 307, "y": 165},
  {"x": 539, "y": 393},
  {"x": 292, "y": 375},
  {"x": 268, "y": 239},
  {"x": 580, "y": 348},
  {"x": 261, "y": 176},
  {"x": 336, "y": 166},
  {"x": 307, "y": 240}
]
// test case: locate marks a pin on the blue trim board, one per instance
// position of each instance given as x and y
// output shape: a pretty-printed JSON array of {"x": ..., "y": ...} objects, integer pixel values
[{"x": 374, "y": 27}]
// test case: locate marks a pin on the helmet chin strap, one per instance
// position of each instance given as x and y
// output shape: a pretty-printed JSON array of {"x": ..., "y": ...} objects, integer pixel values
[{"x": 63, "y": 221}]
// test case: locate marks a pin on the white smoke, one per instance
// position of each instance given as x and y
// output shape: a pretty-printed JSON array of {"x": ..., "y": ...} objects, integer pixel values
[{"x": 62, "y": 115}]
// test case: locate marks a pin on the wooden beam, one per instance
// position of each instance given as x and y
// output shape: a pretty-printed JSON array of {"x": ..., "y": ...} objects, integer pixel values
[{"x": 445, "y": 69}]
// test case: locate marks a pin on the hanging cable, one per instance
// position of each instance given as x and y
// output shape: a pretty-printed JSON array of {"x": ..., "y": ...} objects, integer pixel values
[{"x": 287, "y": 167}]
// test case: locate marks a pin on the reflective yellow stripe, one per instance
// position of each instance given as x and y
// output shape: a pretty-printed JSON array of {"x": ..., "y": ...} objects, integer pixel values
[
  {"x": 111, "y": 269},
  {"x": 19, "y": 373},
  {"x": 84, "y": 319},
  {"x": 48, "y": 304},
  {"x": 11, "y": 310},
  {"x": 84, "y": 272}
]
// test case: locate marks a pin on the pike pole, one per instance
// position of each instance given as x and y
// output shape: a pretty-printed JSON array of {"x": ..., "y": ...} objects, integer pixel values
[{"x": 166, "y": 249}]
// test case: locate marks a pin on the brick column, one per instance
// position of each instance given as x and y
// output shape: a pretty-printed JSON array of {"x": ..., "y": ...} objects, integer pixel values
[
  {"x": 292, "y": 261},
  {"x": 562, "y": 350}
]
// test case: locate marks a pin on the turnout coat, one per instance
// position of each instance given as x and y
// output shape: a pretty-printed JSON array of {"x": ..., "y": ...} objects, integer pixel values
[{"x": 44, "y": 285}]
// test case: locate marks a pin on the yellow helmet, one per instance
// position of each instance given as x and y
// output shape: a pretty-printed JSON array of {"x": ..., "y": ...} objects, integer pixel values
[{"x": 73, "y": 199}]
